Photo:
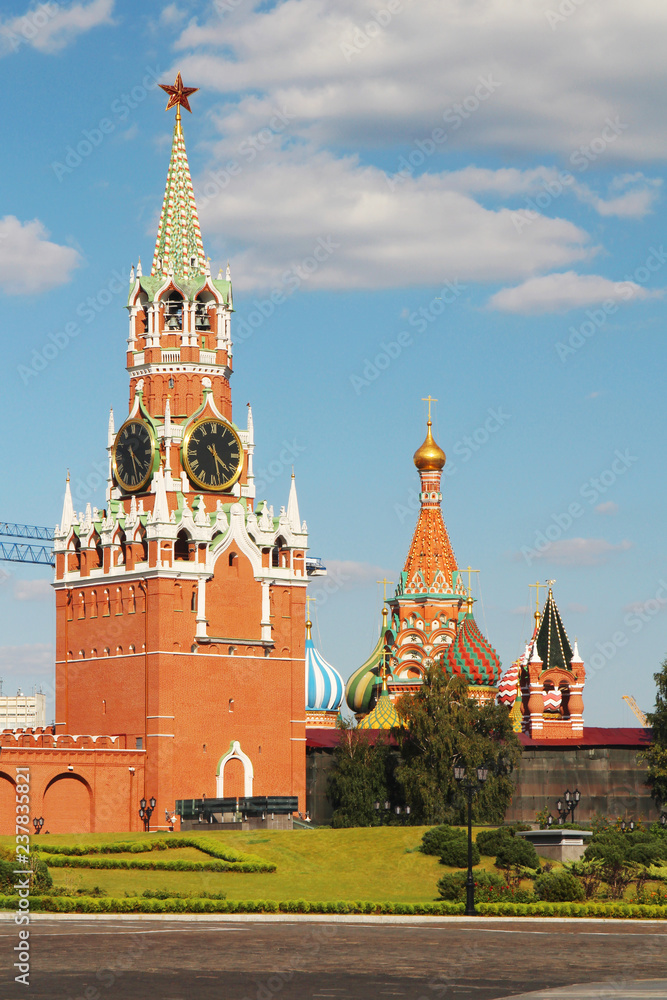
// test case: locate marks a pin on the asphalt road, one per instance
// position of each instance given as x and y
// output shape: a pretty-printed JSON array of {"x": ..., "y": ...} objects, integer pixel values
[{"x": 107, "y": 959}]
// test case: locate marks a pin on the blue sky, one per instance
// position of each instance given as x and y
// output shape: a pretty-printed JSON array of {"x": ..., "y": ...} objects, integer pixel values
[{"x": 485, "y": 187}]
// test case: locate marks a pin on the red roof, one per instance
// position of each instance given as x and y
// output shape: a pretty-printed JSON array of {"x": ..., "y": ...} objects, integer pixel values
[
  {"x": 329, "y": 738},
  {"x": 594, "y": 736}
]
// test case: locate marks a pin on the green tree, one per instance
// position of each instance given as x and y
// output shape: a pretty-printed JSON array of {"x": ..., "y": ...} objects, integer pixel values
[
  {"x": 444, "y": 727},
  {"x": 656, "y": 755},
  {"x": 360, "y": 777}
]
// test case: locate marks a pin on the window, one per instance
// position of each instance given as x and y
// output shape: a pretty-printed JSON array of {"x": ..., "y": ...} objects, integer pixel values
[
  {"x": 98, "y": 559},
  {"x": 122, "y": 542},
  {"x": 182, "y": 547},
  {"x": 141, "y": 536},
  {"x": 193, "y": 601},
  {"x": 231, "y": 704},
  {"x": 139, "y": 743}
]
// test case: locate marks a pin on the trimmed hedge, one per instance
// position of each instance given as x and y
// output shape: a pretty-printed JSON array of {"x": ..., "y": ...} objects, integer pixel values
[
  {"x": 139, "y": 904},
  {"x": 209, "y": 847},
  {"x": 64, "y": 856},
  {"x": 91, "y": 904},
  {"x": 179, "y": 865}
]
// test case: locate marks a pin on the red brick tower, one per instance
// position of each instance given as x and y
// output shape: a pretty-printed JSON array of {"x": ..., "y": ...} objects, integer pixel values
[{"x": 181, "y": 606}]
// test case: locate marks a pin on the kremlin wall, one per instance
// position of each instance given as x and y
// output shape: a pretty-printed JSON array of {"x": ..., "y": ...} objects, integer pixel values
[{"x": 183, "y": 601}]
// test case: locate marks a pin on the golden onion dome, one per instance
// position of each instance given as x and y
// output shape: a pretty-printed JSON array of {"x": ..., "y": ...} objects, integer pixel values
[{"x": 430, "y": 457}]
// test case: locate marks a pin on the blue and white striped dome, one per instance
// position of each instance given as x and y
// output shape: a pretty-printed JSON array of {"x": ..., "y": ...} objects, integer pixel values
[{"x": 324, "y": 685}]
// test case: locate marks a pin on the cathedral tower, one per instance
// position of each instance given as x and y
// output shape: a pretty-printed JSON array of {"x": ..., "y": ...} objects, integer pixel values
[
  {"x": 430, "y": 615},
  {"x": 181, "y": 605}
]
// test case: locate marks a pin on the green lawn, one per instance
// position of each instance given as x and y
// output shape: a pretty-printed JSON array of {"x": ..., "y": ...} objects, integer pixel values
[{"x": 379, "y": 864}]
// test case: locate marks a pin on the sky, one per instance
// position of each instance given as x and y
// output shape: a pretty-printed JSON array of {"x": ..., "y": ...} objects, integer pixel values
[{"x": 462, "y": 200}]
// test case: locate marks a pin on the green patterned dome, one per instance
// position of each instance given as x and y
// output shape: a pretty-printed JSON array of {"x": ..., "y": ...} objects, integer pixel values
[
  {"x": 361, "y": 685},
  {"x": 471, "y": 655}
]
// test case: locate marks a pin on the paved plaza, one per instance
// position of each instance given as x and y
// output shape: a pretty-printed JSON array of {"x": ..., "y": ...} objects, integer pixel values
[{"x": 294, "y": 958}]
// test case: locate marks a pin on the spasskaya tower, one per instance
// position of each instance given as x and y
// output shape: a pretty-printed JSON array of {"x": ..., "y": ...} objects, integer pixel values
[{"x": 181, "y": 604}]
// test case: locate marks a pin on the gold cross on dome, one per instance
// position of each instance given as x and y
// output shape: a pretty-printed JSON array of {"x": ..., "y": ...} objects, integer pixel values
[
  {"x": 429, "y": 400},
  {"x": 470, "y": 571},
  {"x": 538, "y": 586},
  {"x": 178, "y": 96},
  {"x": 385, "y": 582},
  {"x": 308, "y": 601}
]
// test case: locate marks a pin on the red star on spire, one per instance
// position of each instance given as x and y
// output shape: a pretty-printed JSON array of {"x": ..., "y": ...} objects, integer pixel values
[{"x": 178, "y": 94}]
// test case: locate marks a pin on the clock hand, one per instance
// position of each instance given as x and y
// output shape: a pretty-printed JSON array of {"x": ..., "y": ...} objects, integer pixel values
[
  {"x": 213, "y": 451},
  {"x": 134, "y": 463}
]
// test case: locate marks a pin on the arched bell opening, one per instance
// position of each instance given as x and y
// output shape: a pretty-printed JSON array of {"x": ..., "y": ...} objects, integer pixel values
[
  {"x": 171, "y": 306},
  {"x": 183, "y": 546}
]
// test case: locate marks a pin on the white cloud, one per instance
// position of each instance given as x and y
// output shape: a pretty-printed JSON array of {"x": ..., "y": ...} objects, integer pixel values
[
  {"x": 273, "y": 211},
  {"x": 171, "y": 15},
  {"x": 566, "y": 290},
  {"x": 51, "y": 26},
  {"x": 581, "y": 551},
  {"x": 608, "y": 508},
  {"x": 523, "y": 609},
  {"x": 33, "y": 590},
  {"x": 550, "y": 89},
  {"x": 632, "y": 196},
  {"x": 577, "y": 609},
  {"x": 27, "y": 257},
  {"x": 31, "y": 659}
]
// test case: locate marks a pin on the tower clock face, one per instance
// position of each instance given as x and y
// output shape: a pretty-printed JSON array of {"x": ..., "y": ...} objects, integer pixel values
[
  {"x": 133, "y": 455},
  {"x": 212, "y": 454}
]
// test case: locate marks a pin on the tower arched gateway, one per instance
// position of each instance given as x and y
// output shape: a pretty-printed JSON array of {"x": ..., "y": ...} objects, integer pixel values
[{"x": 192, "y": 611}]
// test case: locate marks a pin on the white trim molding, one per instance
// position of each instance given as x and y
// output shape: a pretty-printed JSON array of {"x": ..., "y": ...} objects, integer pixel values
[{"x": 235, "y": 753}]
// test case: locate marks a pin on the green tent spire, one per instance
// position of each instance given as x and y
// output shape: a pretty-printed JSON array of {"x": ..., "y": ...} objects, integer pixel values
[{"x": 179, "y": 243}]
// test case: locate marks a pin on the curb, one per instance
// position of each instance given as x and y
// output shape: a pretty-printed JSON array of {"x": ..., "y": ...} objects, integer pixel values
[{"x": 328, "y": 918}]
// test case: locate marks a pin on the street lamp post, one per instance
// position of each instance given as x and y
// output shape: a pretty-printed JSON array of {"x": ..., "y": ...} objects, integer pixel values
[
  {"x": 38, "y": 823},
  {"x": 567, "y": 808},
  {"x": 145, "y": 813},
  {"x": 470, "y": 786}
]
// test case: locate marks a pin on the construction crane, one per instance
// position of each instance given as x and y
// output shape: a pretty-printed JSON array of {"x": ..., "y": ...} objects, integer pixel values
[
  {"x": 26, "y": 552},
  {"x": 636, "y": 709}
]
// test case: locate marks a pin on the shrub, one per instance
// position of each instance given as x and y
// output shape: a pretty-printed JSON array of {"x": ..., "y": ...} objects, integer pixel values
[
  {"x": 42, "y": 880},
  {"x": 559, "y": 887},
  {"x": 434, "y": 840},
  {"x": 650, "y": 853},
  {"x": 455, "y": 853},
  {"x": 517, "y": 852},
  {"x": 490, "y": 841},
  {"x": 6, "y": 875}
]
